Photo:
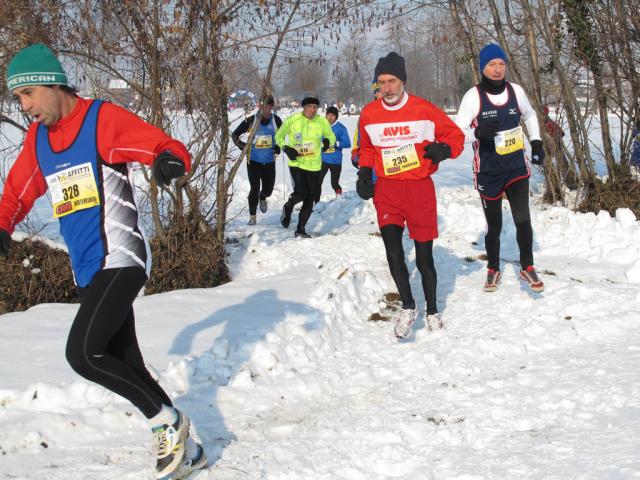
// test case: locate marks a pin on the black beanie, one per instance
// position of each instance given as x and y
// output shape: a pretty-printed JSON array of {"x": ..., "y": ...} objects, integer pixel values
[
  {"x": 268, "y": 100},
  {"x": 333, "y": 110},
  {"x": 392, "y": 64},
  {"x": 308, "y": 98}
]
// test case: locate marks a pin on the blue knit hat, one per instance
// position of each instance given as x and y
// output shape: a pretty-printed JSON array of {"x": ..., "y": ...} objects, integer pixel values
[{"x": 490, "y": 52}]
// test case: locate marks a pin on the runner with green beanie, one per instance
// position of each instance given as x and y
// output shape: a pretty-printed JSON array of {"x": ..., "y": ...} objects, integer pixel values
[
  {"x": 35, "y": 65},
  {"x": 81, "y": 151}
]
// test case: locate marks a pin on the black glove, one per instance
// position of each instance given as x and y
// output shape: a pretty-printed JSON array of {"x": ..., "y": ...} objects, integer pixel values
[
  {"x": 437, "y": 152},
  {"x": 486, "y": 131},
  {"x": 325, "y": 144},
  {"x": 364, "y": 185},
  {"x": 537, "y": 152},
  {"x": 292, "y": 153},
  {"x": 5, "y": 244},
  {"x": 240, "y": 144},
  {"x": 276, "y": 150},
  {"x": 354, "y": 162},
  {"x": 167, "y": 167}
]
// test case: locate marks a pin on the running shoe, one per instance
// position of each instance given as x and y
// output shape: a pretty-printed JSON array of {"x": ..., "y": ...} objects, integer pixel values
[
  {"x": 434, "y": 321},
  {"x": 285, "y": 218},
  {"x": 493, "y": 278},
  {"x": 169, "y": 445},
  {"x": 530, "y": 276},
  {"x": 404, "y": 322}
]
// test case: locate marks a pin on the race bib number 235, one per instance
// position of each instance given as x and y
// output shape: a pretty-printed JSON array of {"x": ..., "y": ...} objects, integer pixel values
[{"x": 400, "y": 159}]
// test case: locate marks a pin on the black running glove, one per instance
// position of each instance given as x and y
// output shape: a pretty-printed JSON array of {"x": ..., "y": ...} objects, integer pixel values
[
  {"x": 325, "y": 144},
  {"x": 5, "y": 244},
  {"x": 292, "y": 153},
  {"x": 537, "y": 152},
  {"x": 437, "y": 152},
  {"x": 486, "y": 131},
  {"x": 364, "y": 185},
  {"x": 276, "y": 150},
  {"x": 167, "y": 167}
]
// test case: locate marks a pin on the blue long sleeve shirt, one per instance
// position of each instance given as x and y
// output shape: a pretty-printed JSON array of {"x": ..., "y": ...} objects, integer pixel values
[{"x": 334, "y": 155}]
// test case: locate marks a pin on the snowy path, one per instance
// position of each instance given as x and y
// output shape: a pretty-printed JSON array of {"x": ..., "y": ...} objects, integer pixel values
[
  {"x": 519, "y": 385},
  {"x": 285, "y": 378}
]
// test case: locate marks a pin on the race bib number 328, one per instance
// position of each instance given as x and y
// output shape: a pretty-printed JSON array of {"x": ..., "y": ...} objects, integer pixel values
[{"x": 73, "y": 189}]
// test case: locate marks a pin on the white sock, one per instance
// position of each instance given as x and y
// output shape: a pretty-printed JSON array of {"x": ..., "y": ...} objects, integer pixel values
[
  {"x": 191, "y": 449},
  {"x": 166, "y": 416}
]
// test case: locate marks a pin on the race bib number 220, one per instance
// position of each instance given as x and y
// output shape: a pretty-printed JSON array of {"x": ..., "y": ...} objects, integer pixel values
[{"x": 509, "y": 141}]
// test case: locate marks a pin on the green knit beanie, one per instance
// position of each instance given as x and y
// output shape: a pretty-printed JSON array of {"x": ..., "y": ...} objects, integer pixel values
[{"x": 35, "y": 65}]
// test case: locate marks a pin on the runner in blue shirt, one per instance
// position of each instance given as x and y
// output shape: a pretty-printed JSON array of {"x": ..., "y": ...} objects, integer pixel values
[
  {"x": 332, "y": 158},
  {"x": 261, "y": 166}
]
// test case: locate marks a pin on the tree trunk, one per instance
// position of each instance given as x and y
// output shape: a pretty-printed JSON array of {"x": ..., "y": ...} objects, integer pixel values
[
  {"x": 468, "y": 38},
  {"x": 575, "y": 119}
]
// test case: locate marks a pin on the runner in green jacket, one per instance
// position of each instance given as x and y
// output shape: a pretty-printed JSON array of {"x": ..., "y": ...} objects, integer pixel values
[{"x": 303, "y": 137}]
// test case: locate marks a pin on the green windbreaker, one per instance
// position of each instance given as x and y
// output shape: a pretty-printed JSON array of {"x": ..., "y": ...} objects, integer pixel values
[{"x": 306, "y": 137}]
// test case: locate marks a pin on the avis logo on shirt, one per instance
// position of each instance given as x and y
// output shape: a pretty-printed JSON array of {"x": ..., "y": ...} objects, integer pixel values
[{"x": 395, "y": 131}]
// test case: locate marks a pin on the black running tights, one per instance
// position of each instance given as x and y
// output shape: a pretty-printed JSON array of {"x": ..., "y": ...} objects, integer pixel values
[
  {"x": 102, "y": 345},
  {"x": 518, "y": 196},
  {"x": 305, "y": 192},
  {"x": 336, "y": 170},
  {"x": 392, "y": 238},
  {"x": 258, "y": 173}
]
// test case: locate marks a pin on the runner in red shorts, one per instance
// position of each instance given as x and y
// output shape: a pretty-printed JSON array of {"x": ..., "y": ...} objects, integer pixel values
[{"x": 404, "y": 137}]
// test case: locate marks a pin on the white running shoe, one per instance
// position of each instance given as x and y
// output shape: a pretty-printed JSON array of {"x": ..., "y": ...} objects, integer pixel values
[
  {"x": 263, "y": 205},
  {"x": 434, "y": 321},
  {"x": 190, "y": 465},
  {"x": 404, "y": 322},
  {"x": 252, "y": 220},
  {"x": 169, "y": 446}
]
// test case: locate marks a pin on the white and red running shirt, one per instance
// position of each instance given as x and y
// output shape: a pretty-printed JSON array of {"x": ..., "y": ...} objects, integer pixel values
[{"x": 393, "y": 137}]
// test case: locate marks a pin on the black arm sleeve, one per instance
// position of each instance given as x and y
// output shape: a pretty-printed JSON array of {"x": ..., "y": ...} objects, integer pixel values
[
  {"x": 278, "y": 121},
  {"x": 241, "y": 129}
]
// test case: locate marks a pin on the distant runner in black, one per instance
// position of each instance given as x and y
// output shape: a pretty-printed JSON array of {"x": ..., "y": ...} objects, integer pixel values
[{"x": 261, "y": 166}]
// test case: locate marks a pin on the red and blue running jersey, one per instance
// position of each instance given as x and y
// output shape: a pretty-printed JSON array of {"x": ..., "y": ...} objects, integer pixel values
[{"x": 84, "y": 161}]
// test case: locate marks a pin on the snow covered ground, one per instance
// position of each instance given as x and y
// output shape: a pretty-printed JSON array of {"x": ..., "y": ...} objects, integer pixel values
[{"x": 285, "y": 378}]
